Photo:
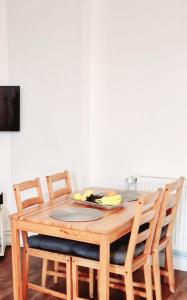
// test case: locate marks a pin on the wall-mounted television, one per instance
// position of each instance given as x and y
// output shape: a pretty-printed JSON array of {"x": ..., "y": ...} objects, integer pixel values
[{"x": 9, "y": 108}]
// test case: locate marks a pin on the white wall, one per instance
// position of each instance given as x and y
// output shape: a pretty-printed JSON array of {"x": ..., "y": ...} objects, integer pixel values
[
  {"x": 139, "y": 105},
  {"x": 128, "y": 58},
  {"x": 86, "y": 73},
  {"x": 46, "y": 58}
]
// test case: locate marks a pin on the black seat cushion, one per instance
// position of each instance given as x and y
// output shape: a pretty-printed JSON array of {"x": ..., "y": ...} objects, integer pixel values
[
  {"x": 118, "y": 250},
  {"x": 51, "y": 243}
]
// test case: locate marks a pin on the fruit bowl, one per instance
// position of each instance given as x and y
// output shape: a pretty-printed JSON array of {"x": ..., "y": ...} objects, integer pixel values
[{"x": 99, "y": 199}]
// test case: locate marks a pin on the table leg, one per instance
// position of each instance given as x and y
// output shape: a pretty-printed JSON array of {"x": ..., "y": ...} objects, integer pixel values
[
  {"x": 104, "y": 269},
  {"x": 16, "y": 262}
]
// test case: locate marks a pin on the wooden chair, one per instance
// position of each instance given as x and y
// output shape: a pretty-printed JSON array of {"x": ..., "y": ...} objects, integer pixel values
[
  {"x": 51, "y": 179},
  {"x": 33, "y": 244},
  {"x": 62, "y": 191},
  {"x": 128, "y": 254},
  {"x": 163, "y": 235}
]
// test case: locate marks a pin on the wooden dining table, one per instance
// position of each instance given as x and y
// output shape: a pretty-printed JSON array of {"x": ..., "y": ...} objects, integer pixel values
[{"x": 114, "y": 224}]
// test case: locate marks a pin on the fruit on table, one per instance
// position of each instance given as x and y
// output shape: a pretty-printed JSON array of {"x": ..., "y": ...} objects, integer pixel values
[
  {"x": 110, "y": 200},
  {"x": 77, "y": 196},
  {"x": 84, "y": 196},
  {"x": 88, "y": 193},
  {"x": 110, "y": 193},
  {"x": 93, "y": 198}
]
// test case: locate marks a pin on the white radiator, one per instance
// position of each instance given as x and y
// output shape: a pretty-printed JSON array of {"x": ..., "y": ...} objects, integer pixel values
[{"x": 151, "y": 183}]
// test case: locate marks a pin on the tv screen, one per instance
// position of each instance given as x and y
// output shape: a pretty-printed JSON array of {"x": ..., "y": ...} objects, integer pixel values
[{"x": 9, "y": 108}]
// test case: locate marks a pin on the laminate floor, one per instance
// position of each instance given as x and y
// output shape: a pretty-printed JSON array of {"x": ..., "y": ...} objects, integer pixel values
[{"x": 6, "y": 283}]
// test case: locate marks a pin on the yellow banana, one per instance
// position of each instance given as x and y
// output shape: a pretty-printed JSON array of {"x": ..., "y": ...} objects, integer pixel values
[{"x": 110, "y": 200}]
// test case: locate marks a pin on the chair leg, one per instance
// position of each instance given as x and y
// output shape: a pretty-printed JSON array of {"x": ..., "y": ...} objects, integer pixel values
[
  {"x": 165, "y": 278},
  {"x": 68, "y": 279},
  {"x": 25, "y": 268},
  {"x": 98, "y": 280},
  {"x": 91, "y": 283},
  {"x": 44, "y": 271},
  {"x": 156, "y": 273},
  {"x": 148, "y": 281},
  {"x": 129, "y": 286},
  {"x": 75, "y": 286},
  {"x": 171, "y": 276},
  {"x": 56, "y": 265}
]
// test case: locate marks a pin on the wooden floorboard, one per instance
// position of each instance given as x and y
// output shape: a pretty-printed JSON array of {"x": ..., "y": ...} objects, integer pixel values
[{"x": 6, "y": 283}]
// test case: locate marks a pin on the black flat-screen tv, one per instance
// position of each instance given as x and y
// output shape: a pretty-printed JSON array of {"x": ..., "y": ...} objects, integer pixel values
[{"x": 9, "y": 108}]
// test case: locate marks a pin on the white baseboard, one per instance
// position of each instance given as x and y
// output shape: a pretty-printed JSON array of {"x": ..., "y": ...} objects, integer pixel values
[{"x": 180, "y": 261}]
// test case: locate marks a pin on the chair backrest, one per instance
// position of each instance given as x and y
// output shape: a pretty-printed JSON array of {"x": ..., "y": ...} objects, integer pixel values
[
  {"x": 24, "y": 186},
  {"x": 146, "y": 216},
  {"x": 61, "y": 191},
  {"x": 168, "y": 210}
]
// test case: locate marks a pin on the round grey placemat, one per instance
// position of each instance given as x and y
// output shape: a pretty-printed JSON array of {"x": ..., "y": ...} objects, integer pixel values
[{"x": 73, "y": 214}]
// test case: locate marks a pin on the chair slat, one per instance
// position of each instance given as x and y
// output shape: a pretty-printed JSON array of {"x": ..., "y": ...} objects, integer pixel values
[
  {"x": 167, "y": 220},
  {"x": 26, "y": 185},
  {"x": 174, "y": 185},
  {"x": 143, "y": 236},
  {"x": 151, "y": 198},
  {"x": 31, "y": 201},
  {"x": 172, "y": 200},
  {"x": 147, "y": 217},
  {"x": 61, "y": 191},
  {"x": 58, "y": 176}
]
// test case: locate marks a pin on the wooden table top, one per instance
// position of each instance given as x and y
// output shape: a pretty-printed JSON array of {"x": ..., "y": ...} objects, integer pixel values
[{"x": 111, "y": 221}]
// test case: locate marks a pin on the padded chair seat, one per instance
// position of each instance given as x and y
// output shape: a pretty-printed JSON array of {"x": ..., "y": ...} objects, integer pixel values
[
  {"x": 51, "y": 243},
  {"x": 118, "y": 250}
]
